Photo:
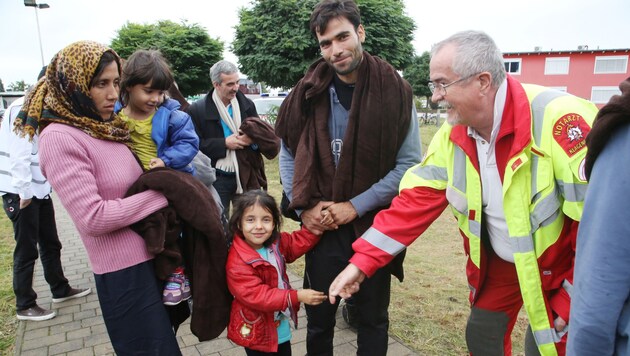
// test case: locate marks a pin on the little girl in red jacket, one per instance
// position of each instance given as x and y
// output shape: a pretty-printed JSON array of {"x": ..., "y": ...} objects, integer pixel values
[{"x": 256, "y": 274}]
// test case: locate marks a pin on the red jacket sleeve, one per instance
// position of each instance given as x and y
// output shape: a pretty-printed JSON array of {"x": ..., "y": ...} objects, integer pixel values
[
  {"x": 295, "y": 244},
  {"x": 409, "y": 215}
]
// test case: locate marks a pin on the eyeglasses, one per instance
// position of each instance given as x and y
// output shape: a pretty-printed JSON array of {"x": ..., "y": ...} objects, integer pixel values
[{"x": 441, "y": 88}]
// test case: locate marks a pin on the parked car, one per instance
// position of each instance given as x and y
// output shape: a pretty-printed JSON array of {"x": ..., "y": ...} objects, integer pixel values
[{"x": 267, "y": 108}]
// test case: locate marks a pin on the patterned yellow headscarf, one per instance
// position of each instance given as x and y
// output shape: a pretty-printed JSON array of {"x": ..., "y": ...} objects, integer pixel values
[{"x": 63, "y": 95}]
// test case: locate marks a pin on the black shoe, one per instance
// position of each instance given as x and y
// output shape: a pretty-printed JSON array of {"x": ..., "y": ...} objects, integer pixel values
[
  {"x": 35, "y": 313},
  {"x": 73, "y": 293}
]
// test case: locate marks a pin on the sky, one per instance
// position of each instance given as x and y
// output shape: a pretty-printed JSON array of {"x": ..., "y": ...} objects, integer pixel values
[{"x": 516, "y": 26}]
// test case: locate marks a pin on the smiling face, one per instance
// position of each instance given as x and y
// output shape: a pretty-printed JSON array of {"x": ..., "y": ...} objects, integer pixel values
[
  {"x": 144, "y": 100},
  {"x": 460, "y": 99},
  {"x": 257, "y": 225},
  {"x": 104, "y": 91},
  {"x": 341, "y": 47},
  {"x": 227, "y": 88}
]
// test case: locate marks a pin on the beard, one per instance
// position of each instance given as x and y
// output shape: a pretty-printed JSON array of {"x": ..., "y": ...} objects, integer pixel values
[
  {"x": 357, "y": 56},
  {"x": 451, "y": 119}
]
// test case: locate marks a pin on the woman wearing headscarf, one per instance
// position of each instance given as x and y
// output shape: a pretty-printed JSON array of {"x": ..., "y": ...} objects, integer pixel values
[{"x": 84, "y": 150}]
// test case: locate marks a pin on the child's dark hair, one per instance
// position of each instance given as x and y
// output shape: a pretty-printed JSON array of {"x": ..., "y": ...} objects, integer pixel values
[
  {"x": 142, "y": 67},
  {"x": 251, "y": 198}
]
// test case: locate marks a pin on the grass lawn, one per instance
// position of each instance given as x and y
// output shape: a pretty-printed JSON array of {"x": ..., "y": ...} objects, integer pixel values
[{"x": 8, "y": 321}]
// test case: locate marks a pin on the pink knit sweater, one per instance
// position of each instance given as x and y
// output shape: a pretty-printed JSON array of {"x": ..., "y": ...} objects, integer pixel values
[{"x": 90, "y": 177}]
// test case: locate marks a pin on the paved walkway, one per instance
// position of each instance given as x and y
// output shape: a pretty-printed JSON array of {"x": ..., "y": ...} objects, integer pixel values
[{"x": 78, "y": 328}]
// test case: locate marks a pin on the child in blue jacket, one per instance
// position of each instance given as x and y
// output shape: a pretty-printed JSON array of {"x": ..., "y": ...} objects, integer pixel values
[{"x": 161, "y": 135}]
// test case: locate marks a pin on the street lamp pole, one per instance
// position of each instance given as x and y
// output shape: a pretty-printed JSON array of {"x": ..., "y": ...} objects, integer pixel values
[{"x": 33, "y": 3}]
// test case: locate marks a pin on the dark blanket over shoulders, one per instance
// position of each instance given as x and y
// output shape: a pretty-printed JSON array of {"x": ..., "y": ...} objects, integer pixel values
[
  {"x": 205, "y": 246},
  {"x": 377, "y": 126}
]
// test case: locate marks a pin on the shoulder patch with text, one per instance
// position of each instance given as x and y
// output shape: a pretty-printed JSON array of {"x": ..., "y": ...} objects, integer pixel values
[{"x": 570, "y": 132}]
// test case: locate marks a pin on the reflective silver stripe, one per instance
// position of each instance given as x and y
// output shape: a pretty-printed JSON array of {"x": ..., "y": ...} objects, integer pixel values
[
  {"x": 459, "y": 170},
  {"x": 522, "y": 244},
  {"x": 568, "y": 287},
  {"x": 430, "y": 172},
  {"x": 383, "y": 242},
  {"x": 572, "y": 192},
  {"x": 473, "y": 290},
  {"x": 547, "y": 336},
  {"x": 535, "y": 196},
  {"x": 538, "y": 110},
  {"x": 474, "y": 227},
  {"x": 546, "y": 208}
]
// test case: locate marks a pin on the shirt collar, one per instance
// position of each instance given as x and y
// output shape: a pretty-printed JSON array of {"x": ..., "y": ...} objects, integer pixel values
[{"x": 499, "y": 106}]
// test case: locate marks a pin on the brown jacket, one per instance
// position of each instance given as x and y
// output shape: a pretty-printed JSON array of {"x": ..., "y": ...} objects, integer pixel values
[{"x": 250, "y": 163}]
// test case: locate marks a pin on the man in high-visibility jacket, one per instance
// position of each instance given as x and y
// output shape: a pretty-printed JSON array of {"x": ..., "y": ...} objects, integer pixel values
[{"x": 510, "y": 164}]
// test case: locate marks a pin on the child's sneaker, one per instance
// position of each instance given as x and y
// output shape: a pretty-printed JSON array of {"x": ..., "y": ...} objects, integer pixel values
[
  {"x": 186, "y": 294},
  {"x": 172, "y": 294},
  {"x": 173, "y": 288}
]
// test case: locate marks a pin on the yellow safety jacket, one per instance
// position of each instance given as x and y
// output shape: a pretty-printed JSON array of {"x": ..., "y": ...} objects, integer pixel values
[{"x": 540, "y": 154}]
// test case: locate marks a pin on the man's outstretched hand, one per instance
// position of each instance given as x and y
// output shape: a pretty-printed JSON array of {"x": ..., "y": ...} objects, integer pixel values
[{"x": 346, "y": 283}]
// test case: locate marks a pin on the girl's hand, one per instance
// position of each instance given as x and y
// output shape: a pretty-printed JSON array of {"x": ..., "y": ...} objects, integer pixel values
[
  {"x": 155, "y": 163},
  {"x": 311, "y": 297}
]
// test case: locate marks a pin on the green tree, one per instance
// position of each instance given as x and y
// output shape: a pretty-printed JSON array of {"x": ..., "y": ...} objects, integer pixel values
[
  {"x": 417, "y": 74},
  {"x": 274, "y": 44},
  {"x": 20, "y": 85},
  {"x": 188, "y": 48},
  {"x": 1, "y": 85}
]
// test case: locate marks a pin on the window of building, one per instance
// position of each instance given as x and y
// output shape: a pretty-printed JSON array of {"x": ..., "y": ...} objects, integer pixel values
[
  {"x": 611, "y": 64},
  {"x": 563, "y": 89},
  {"x": 512, "y": 65},
  {"x": 557, "y": 65},
  {"x": 601, "y": 95}
]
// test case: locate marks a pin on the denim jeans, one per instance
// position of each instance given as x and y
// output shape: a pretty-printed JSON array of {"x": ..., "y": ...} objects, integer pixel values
[{"x": 226, "y": 187}]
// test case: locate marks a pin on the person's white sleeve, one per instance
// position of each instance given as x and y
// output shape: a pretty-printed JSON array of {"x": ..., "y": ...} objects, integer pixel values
[{"x": 20, "y": 153}]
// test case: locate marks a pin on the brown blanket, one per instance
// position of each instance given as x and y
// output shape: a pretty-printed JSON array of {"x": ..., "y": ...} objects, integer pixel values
[
  {"x": 378, "y": 124},
  {"x": 250, "y": 163},
  {"x": 205, "y": 246}
]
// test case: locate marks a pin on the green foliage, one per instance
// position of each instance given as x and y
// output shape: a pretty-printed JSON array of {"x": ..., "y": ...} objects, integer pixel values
[
  {"x": 274, "y": 44},
  {"x": 20, "y": 85},
  {"x": 188, "y": 48},
  {"x": 388, "y": 31},
  {"x": 417, "y": 74}
]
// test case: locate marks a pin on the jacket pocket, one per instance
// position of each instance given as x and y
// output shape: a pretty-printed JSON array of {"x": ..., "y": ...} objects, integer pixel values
[
  {"x": 246, "y": 326},
  {"x": 11, "y": 204}
]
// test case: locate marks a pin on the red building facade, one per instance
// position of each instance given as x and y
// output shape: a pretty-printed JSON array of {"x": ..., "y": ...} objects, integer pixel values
[{"x": 590, "y": 74}]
